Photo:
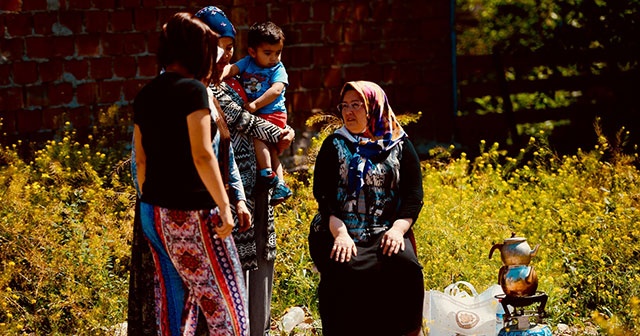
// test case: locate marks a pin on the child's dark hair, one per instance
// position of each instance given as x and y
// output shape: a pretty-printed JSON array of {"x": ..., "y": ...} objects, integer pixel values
[
  {"x": 265, "y": 32},
  {"x": 187, "y": 40}
]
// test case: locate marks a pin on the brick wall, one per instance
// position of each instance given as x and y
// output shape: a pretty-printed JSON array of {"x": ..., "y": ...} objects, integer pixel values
[{"x": 78, "y": 57}]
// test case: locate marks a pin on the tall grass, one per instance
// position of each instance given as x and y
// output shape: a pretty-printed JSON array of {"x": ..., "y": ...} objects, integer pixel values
[
  {"x": 66, "y": 214},
  {"x": 582, "y": 209}
]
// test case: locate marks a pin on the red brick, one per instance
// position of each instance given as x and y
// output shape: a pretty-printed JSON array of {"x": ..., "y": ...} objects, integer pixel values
[
  {"x": 174, "y": 2},
  {"x": 361, "y": 53},
  {"x": 152, "y": 42},
  {"x": 372, "y": 32},
  {"x": 332, "y": 32},
  {"x": 311, "y": 78},
  {"x": 11, "y": 99},
  {"x": 110, "y": 91},
  {"x": 321, "y": 99},
  {"x": 12, "y": 49},
  {"x": 63, "y": 46},
  {"x": 80, "y": 117},
  {"x": 322, "y": 56},
  {"x": 300, "y": 102},
  {"x": 29, "y": 120},
  {"x": 112, "y": 44},
  {"x": 124, "y": 67},
  {"x": 164, "y": 14},
  {"x": 52, "y": 117},
  {"x": 297, "y": 57},
  {"x": 342, "y": 12},
  {"x": 279, "y": 13},
  {"x": 399, "y": 51},
  {"x": 7, "y": 121},
  {"x": 257, "y": 14},
  {"x": 295, "y": 81},
  {"x": 34, "y": 5},
  {"x": 132, "y": 87},
  {"x": 322, "y": 11},
  {"x": 361, "y": 12},
  {"x": 130, "y": 3},
  {"x": 88, "y": 44},
  {"x": 36, "y": 96},
  {"x": 300, "y": 11},
  {"x": 79, "y": 68},
  {"x": 18, "y": 24},
  {"x": 352, "y": 33},
  {"x": 96, "y": 21},
  {"x": 5, "y": 74},
  {"x": 87, "y": 93},
  {"x": 310, "y": 32},
  {"x": 147, "y": 66},
  {"x": 50, "y": 71},
  {"x": 370, "y": 73},
  {"x": 333, "y": 78},
  {"x": 381, "y": 10},
  {"x": 38, "y": 47},
  {"x": 101, "y": 68},
  {"x": 25, "y": 72},
  {"x": 121, "y": 21},
  {"x": 380, "y": 53},
  {"x": 342, "y": 54},
  {"x": 79, "y": 4},
  {"x": 104, "y": 4},
  {"x": 152, "y": 3},
  {"x": 11, "y": 5},
  {"x": 72, "y": 20},
  {"x": 144, "y": 19},
  {"x": 43, "y": 22},
  {"x": 134, "y": 43},
  {"x": 60, "y": 94}
]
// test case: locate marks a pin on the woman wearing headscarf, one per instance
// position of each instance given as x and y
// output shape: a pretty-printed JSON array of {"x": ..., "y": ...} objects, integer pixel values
[
  {"x": 184, "y": 209},
  {"x": 257, "y": 244},
  {"x": 368, "y": 185}
]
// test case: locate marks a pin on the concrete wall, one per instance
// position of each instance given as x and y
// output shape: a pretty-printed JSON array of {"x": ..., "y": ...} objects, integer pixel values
[{"x": 78, "y": 57}]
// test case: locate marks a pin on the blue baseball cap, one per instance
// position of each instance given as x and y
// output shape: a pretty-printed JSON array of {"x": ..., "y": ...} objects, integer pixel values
[{"x": 217, "y": 21}]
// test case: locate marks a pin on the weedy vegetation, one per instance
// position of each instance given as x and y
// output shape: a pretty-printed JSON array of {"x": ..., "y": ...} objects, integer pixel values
[{"x": 66, "y": 215}]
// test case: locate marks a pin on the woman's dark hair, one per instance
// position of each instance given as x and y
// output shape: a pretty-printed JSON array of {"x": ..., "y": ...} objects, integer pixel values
[{"x": 187, "y": 40}]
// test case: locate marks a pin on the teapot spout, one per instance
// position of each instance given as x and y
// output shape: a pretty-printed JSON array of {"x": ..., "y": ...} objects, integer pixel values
[
  {"x": 495, "y": 246},
  {"x": 534, "y": 251}
]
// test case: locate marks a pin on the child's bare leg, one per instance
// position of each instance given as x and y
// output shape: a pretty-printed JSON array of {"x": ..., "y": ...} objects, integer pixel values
[
  {"x": 275, "y": 163},
  {"x": 263, "y": 156}
]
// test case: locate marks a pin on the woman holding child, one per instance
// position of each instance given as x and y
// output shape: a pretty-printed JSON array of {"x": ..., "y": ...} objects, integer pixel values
[
  {"x": 257, "y": 244},
  {"x": 368, "y": 185}
]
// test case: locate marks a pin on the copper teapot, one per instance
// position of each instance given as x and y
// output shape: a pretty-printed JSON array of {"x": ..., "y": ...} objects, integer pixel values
[
  {"x": 514, "y": 251},
  {"x": 518, "y": 280}
]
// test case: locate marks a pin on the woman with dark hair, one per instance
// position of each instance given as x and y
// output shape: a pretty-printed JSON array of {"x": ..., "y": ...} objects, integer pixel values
[
  {"x": 256, "y": 245},
  {"x": 184, "y": 208},
  {"x": 368, "y": 185}
]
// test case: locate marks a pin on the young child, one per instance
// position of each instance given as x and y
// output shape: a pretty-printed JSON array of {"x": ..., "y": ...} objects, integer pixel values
[{"x": 265, "y": 79}]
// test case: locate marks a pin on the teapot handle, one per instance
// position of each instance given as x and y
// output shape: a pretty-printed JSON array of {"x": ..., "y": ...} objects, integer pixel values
[{"x": 495, "y": 246}]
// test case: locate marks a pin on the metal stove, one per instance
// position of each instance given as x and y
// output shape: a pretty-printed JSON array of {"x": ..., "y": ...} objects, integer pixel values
[{"x": 519, "y": 321}]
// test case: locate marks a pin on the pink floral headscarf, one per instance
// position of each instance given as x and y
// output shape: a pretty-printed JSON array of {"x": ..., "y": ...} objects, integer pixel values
[
  {"x": 382, "y": 134},
  {"x": 382, "y": 125}
]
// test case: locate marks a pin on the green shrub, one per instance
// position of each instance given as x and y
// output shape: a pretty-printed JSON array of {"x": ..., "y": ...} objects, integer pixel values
[
  {"x": 65, "y": 228},
  {"x": 582, "y": 209},
  {"x": 66, "y": 215}
]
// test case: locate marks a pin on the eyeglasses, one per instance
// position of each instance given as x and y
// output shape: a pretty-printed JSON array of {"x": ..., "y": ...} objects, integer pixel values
[{"x": 354, "y": 105}]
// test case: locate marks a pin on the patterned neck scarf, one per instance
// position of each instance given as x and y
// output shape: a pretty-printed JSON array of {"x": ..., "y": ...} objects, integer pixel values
[{"x": 382, "y": 134}]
